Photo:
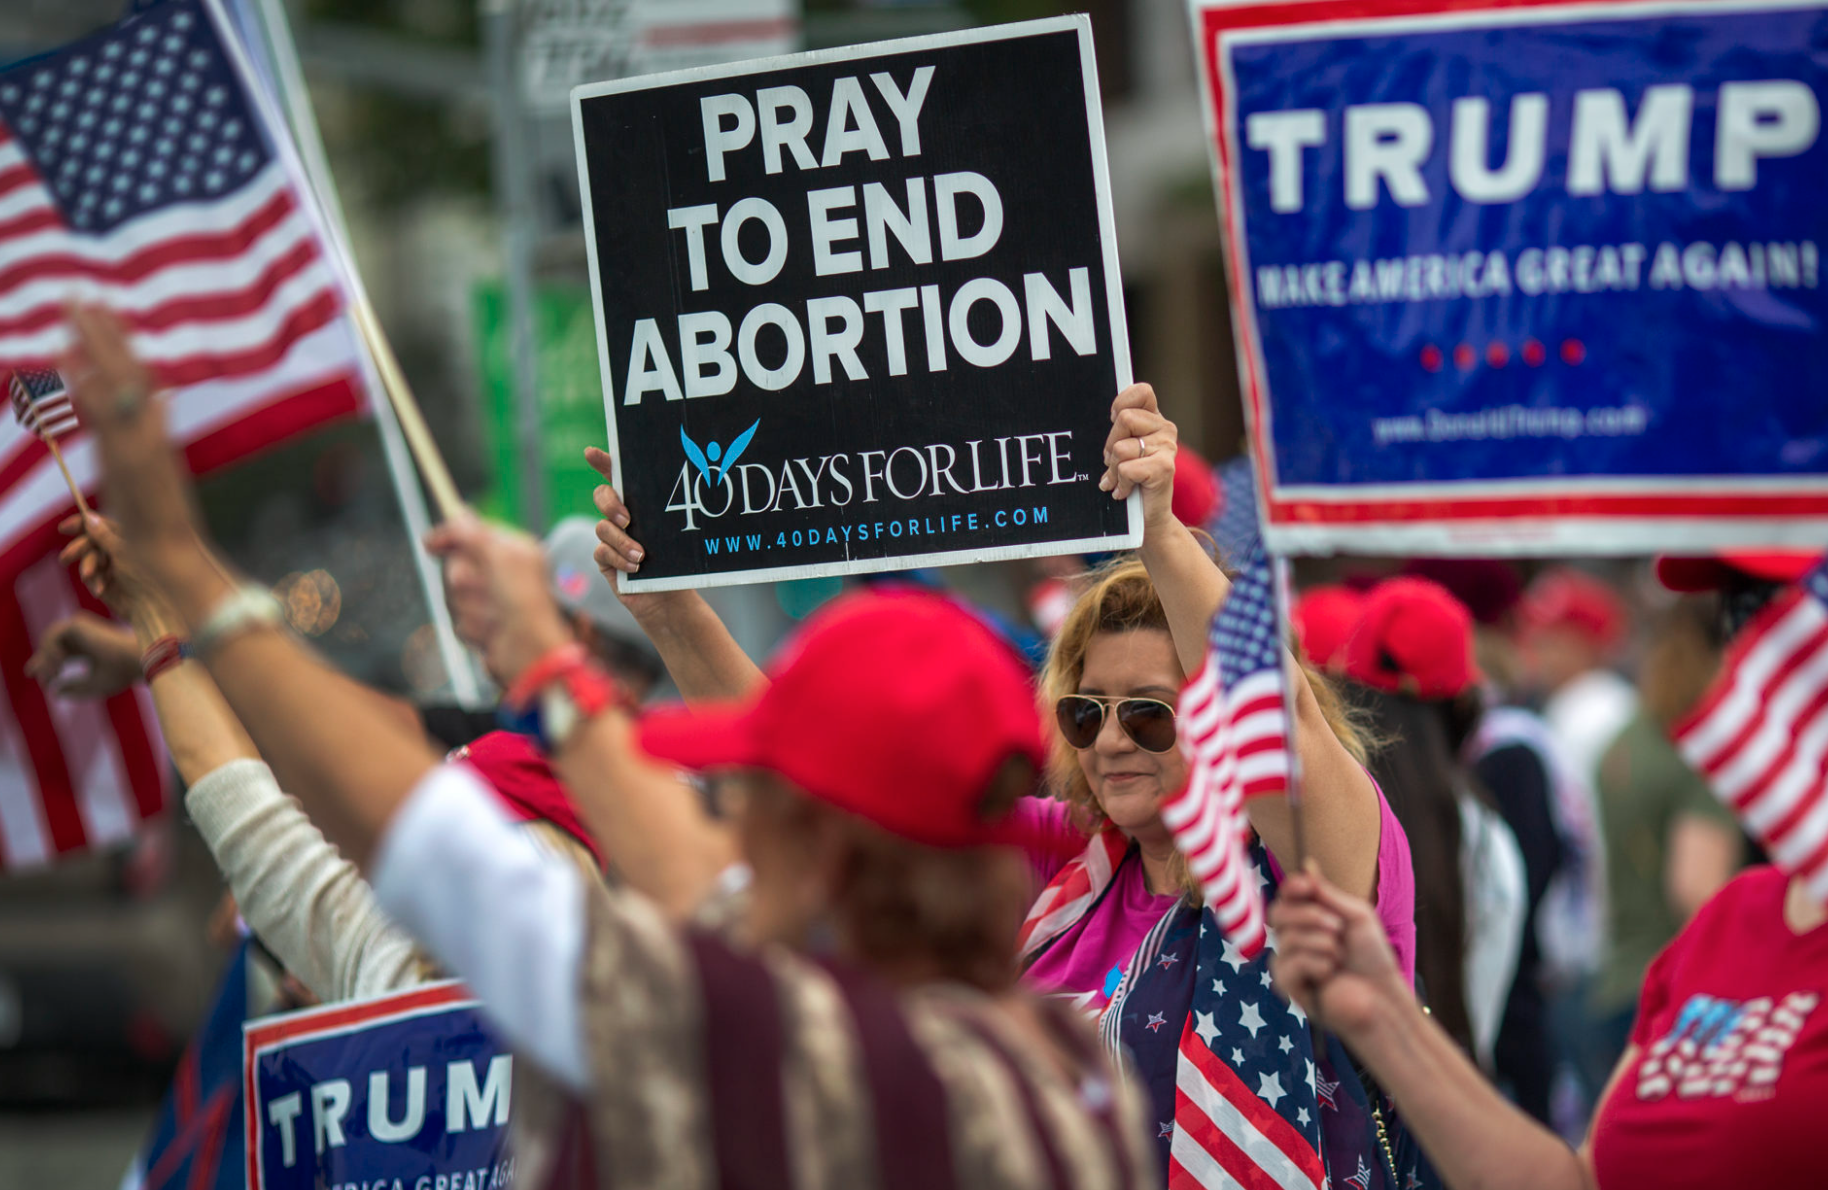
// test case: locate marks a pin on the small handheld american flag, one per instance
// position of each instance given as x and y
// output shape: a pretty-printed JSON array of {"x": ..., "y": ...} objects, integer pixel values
[
  {"x": 1235, "y": 730},
  {"x": 41, "y": 402},
  {"x": 1760, "y": 735}
]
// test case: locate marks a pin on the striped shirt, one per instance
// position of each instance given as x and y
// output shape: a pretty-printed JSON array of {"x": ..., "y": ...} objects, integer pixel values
[{"x": 699, "y": 1064}]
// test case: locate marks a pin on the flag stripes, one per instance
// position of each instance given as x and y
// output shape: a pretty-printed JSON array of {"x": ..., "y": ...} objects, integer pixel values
[
  {"x": 1760, "y": 736},
  {"x": 1234, "y": 729},
  {"x": 139, "y": 170}
]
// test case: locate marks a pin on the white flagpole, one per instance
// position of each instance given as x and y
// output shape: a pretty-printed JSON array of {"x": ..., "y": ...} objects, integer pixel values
[{"x": 384, "y": 369}]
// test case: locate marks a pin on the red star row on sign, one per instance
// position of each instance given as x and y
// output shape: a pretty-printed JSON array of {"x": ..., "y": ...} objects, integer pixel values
[{"x": 1532, "y": 353}]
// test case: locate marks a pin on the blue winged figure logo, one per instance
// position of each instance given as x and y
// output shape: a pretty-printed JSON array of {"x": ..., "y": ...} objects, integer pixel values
[{"x": 713, "y": 461}]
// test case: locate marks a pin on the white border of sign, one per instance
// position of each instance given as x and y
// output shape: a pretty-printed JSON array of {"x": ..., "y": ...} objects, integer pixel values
[
  {"x": 1113, "y": 282},
  {"x": 1525, "y": 535},
  {"x": 262, "y": 1035}
]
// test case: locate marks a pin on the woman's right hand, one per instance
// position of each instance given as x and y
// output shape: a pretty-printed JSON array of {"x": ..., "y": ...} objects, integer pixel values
[
  {"x": 1139, "y": 455},
  {"x": 1332, "y": 956},
  {"x": 617, "y": 553},
  {"x": 104, "y": 564}
]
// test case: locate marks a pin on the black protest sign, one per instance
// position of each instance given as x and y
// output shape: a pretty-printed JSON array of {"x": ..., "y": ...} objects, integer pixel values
[{"x": 858, "y": 309}]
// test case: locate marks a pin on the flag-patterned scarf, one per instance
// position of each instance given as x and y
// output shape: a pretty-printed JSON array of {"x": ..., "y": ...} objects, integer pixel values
[{"x": 1239, "y": 1094}]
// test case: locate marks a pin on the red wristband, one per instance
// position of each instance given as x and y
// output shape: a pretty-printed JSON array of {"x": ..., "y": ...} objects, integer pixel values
[
  {"x": 162, "y": 655},
  {"x": 592, "y": 691},
  {"x": 553, "y": 665}
]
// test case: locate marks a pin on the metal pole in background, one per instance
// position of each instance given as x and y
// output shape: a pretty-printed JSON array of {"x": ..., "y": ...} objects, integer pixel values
[
  {"x": 515, "y": 207},
  {"x": 296, "y": 101}
]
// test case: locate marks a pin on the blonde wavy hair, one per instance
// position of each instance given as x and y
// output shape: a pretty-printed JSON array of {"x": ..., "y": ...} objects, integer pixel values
[{"x": 1121, "y": 597}]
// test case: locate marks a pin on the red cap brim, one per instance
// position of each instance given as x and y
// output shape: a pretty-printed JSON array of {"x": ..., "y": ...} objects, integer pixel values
[
  {"x": 702, "y": 736},
  {"x": 1692, "y": 574}
]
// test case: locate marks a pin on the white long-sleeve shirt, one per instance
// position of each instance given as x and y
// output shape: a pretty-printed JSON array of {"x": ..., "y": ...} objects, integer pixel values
[{"x": 311, "y": 906}]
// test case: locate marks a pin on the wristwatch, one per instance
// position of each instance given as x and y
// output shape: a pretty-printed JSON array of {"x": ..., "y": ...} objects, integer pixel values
[{"x": 565, "y": 691}]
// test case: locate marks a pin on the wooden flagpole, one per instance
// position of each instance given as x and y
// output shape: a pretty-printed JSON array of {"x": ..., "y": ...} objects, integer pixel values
[{"x": 406, "y": 408}]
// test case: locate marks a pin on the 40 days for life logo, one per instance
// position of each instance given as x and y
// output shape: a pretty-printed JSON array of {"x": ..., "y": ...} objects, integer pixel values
[{"x": 712, "y": 484}]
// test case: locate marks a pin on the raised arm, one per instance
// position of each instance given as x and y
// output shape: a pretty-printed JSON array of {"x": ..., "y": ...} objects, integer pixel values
[
  {"x": 655, "y": 827},
  {"x": 1342, "y": 817},
  {"x": 704, "y": 660},
  {"x": 1332, "y": 956}
]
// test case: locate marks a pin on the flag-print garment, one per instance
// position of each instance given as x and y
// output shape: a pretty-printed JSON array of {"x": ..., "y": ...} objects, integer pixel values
[{"x": 1238, "y": 1092}]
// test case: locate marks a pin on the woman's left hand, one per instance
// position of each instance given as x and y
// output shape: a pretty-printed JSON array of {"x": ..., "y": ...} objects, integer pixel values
[{"x": 1139, "y": 454}]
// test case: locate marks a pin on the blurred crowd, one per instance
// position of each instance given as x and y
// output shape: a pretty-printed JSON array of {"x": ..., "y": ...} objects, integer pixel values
[{"x": 1489, "y": 822}]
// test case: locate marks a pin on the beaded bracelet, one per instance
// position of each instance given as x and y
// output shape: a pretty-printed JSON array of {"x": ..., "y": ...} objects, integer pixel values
[{"x": 163, "y": 654}]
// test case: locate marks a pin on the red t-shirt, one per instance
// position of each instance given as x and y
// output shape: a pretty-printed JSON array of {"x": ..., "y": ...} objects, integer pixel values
[{"x": 1732, "y": 1067}]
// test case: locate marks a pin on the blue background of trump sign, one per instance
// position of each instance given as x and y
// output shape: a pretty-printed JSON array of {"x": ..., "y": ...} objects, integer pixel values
[
  {"x": 407, "y": 1092},
  {"x": 1528, "y": 278}
]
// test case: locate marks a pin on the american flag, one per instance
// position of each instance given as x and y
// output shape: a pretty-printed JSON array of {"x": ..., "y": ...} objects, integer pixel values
[
  {"x": 1760, "y": 735},
  {"x": 1234, "y": 526},
  {"x": 41, "y": 403},
  {"x": 140, "y": 170},
  {"x": 1235, "y": 730},
  {"x": 1249, "y": 1108}
]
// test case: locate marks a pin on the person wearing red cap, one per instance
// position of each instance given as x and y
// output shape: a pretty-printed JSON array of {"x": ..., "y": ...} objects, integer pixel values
[
  {"x": 1113, "y": 679},
  {"x": 1411, "y": 657},
  {"x": 1324, "y": 619},
  {"x": 1572, "y": 626},
  {"x": 868, "y": 1031},
  {"x": 1720, "y": 1082}
]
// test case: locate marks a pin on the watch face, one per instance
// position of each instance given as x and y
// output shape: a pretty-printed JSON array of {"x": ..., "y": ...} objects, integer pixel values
[{"x": 558, "y": 715}]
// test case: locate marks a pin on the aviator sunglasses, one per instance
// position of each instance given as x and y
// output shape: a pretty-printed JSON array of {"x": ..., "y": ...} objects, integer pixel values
[{"x": 1147, "y": 721}]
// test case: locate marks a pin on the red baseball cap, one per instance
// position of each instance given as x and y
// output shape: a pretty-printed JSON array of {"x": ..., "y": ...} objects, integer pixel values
[
  {"x": 1569, "y": 598},
  {"x": 1413, "y": 638},
  {"x": 1325, "y": 619},
  {"x": 1711, "y": 572},
  {"x": 1489, "y": 587},
  {"x": 1196, "y": 489},
  {"x": 525, "y": 784},
  {"x": 897, "y": 707}
]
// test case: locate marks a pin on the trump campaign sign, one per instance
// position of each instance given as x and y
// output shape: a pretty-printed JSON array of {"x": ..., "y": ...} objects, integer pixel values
[
  {"x": 1526, "y": 277},
  {"x": 405, "y": 1092},
  {"x": 858, "y": 309}
]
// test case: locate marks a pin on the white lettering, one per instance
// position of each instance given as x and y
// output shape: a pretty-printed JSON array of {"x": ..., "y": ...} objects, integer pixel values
[
  {"x": 693, "y": 220},
  {"x": 465, "y": 1106},
  {"x": 959, "y": 319},
  {"x": 1779, "y": 118},
  {"x": 1283, "y": 135},
  {"x": 1525, "y": 149},
  {"x": 740, "y": 267},
  {"x": 1387, "y": 141},
  {"x": 1077, "y": 324},
  {"x": 851, "y": 126},
  {"x": 946, "y": 189},
  {"x": 906, "y": 108},
  {"x": 826, "y": 231},
  {"x": 771, "y": 314},
  {"x": 704, "y": 339},
  {"x": 1606, "y": 150},
  {"x": 791, "y": 135},
  {"x": 842, "y": 343},
  {"x": 720, "y": 140},
  {"x": 389, "y": 1131}
]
